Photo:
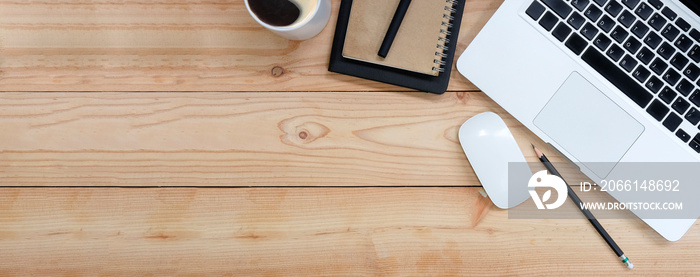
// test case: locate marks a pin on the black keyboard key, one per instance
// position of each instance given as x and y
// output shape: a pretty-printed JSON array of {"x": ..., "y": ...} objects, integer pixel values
[
  {"x": 653, "y": 40},
  {"x": 580, "y": 4},
  {"x": 683, "y": 43},
  {"x": 693, "y": 116},
  {"x": 639, "y": 29},
  {"x": 695, "y": 34},
  {"x": 671, "y": 77},
  {"x": 656, "y": 4},
  {"x": 695, "y": 146},
  {"x": 628, "y": 63},
  {"x": 643, "y": 11},
  {"x": 669, "y": 13},
  {"x": 679, "y": 61},
  {"x": 645, "y": 55},
  {"x": 684, "y": 25},
  {"x": 666, "y": 50},
  {"x": 602, "y": 42},
  {"x": 613, "y": 8},
  {"x": 617, "y": 77},
  {"x": 654, "y": 84},
  {"x": 682, "y": 135},
  {"x": 685, "y": 87},
  {"x": 632, "y": 45},
  {"x": 600, "y": 2},
  {"x": 576, "y": 20},
  {"x": 680, "y": 105},
  {"x": 630, "y": 3},
  {"x": 695, "y": 53},
  {"x": 672, "y": 122},
  {"x": 667, "y": 95},
  {"x": 615, "y": 52},
  {"x": 657, "y": 21},
  {"x": 695, "y": 143},
  {"x": 559, "y": 6},
  {"x": 670, "y": 32},
  {"x": 692, "y": 72},
  {"x": 535, "y": 10},
  {"x": 695, "y": 98},
  {"x": 561, "y": 32},
  {"x": 641, "y": 74},
  {"x": 626, "y": 19},
  {"x": 657, "y": 110},
  {"x": 576, "y": 43},
  {"x": 548, "y": 21},
  {"x": 619, "y": 34},
  {"x": 589, "y": 31},
  {"x": 606, "y": 23},
  {"x": 593, "y": 13},
  {"x": 658, "y": 66}
]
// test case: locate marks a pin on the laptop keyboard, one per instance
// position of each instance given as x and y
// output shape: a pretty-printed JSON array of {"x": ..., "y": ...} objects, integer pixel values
[{"x": 642, "y": 47}]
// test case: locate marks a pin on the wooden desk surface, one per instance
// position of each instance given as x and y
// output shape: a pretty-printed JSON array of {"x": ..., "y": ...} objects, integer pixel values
[{"x": 180, "y": 138}]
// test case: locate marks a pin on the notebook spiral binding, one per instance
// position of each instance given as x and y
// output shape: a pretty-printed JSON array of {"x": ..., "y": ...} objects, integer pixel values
[{"x": 444, "y": 36}]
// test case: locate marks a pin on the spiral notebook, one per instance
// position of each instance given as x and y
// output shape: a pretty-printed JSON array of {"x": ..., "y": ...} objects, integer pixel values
[
  {"x": 419, "y": 43},
  {"x": 422, "y": 54}
]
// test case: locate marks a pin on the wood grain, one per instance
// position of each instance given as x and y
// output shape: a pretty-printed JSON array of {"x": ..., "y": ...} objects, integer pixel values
[
  {"x": 308, "y": 231},
  {"x": 241, "y": 139},
  {"x": 179, "y": 138},
  {"x": 182, "y": 45}
]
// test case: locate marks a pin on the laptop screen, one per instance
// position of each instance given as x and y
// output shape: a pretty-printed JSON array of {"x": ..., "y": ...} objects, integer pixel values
[{"x": 694, "y": 5}]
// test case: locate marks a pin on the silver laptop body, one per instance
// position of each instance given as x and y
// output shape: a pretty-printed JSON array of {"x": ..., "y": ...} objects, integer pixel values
[{"x": 562, "y": 83}]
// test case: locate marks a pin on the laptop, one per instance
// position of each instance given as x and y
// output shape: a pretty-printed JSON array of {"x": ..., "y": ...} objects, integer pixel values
[{"x": 599, "y": 80}]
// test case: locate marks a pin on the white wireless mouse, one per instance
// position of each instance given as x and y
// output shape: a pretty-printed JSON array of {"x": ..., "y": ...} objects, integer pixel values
[{"x": 489, "y": 147}]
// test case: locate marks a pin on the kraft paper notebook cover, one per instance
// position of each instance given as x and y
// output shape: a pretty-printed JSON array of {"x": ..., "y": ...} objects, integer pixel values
[
  {"x": 419, "y": 41},
  {"x": 421, "y": 57}
]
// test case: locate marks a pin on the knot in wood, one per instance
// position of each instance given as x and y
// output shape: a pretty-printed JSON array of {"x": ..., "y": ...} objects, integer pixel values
[
  {"x": 302, "y": 133},
  {"x": 277, "y": 71},
  {"x": 463, "y": 97}
]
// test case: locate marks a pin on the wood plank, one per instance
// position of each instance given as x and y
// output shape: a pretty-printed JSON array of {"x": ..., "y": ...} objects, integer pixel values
[
  {"x": 309, "y": 231},
  {"x": 183, "y": 45},
  {"x": 240, "y": 139}
]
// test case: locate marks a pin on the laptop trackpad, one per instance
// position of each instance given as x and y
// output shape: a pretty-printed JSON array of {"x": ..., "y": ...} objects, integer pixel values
[{"x": 587, "y": 124}]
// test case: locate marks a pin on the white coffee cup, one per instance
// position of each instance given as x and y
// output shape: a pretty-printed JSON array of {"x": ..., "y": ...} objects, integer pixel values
[{"x": 309, "y": 24}]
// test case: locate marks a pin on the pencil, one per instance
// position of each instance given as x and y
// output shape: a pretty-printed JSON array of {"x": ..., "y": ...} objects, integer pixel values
[
  {"x": 393, "y": 28},
  {"x": 585, "y": 211}
]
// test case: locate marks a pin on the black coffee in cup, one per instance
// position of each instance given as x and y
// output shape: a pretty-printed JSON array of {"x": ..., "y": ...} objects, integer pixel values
[{"x": 281, "y": 12}]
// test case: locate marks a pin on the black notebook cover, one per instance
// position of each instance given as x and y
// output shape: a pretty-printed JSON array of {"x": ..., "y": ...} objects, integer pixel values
[{"x": 435, "y": 84}]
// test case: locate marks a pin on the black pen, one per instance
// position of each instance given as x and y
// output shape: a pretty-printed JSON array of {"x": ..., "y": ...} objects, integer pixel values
[
  {"x": 393, "y": 28},
  {"x": 585, "y": 211}
]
